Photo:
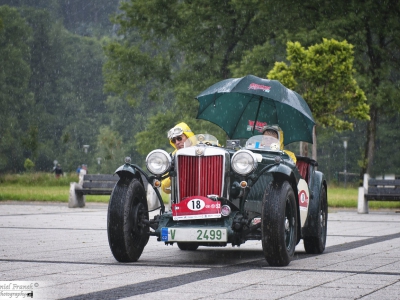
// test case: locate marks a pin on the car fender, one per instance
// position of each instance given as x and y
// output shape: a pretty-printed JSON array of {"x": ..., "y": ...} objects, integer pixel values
[
  {"x": 280, "y": 168},
  {"x": 129, "y": 172}
]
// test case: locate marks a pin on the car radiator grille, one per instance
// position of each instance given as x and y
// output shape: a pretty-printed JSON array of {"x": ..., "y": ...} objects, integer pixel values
[{"x": 200, "y": 175}]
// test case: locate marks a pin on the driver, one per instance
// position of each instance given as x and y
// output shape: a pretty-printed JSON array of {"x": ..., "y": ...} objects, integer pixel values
[
  {"x": 177, "y": 137},
  {"x": 277, "y": 133}
]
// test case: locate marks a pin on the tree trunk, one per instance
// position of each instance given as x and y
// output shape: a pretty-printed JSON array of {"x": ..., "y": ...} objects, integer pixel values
[
  {"x": 314, "y": 145},
  {"x": 370, "y": 143},
  {"x": 303, "y": 149}
]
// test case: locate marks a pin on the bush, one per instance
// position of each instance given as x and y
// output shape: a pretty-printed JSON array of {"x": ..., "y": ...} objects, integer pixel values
[{"x": 28, "y": 165}]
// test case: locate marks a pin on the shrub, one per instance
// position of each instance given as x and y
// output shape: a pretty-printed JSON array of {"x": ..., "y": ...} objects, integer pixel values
[{"x": 28, "y": 165}]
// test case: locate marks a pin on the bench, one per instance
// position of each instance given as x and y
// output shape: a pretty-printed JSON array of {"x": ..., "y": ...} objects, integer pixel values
[
  {"x": 103, "y": 184},
  {"x": 377, "y": 190},
  {"x": 91, "y": 184}
]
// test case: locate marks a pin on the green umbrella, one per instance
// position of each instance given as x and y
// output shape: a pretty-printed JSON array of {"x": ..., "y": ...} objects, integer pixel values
[{"x": 243, "y": 106}]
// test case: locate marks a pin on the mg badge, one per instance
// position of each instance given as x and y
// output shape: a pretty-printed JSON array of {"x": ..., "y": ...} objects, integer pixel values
[{"x": 199, "y": 151}]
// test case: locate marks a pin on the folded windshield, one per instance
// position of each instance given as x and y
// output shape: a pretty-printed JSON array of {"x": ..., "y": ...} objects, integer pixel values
[
  {"x": 204, "y": 138},
  {"x": 263, "y": 142}
]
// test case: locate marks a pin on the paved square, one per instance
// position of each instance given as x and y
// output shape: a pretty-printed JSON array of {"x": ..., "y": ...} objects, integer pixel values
[{"x": 65, "y": 253}]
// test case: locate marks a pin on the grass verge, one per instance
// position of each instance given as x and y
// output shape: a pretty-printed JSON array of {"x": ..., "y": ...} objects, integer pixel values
[
  {"x": 42, "y": 193},
  {"x": 348, "y": 198},
  {"x": 44, "y": 187}
]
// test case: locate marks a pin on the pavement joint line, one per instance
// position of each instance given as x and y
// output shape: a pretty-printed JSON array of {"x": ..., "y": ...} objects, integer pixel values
[
  {"x": 331, "y": 249},
  {"x": 361, "y": 243},
  {"x": 249, "y": 266},
  {"x": 339, "y": 247},
  {"x": 52, "y": 228},
  {"x": 381, "y": 288},
  {"x": 66, "y": 228},
  {"x": 362, "y": 221},
  {"x": 101, "y": 229},
  {"x": 178, "y": 280},
  {"x": 50, "y": 213},
  {"x": 348, "y": 235}
]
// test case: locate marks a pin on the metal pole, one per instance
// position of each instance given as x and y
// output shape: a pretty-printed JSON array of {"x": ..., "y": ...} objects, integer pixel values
[
  {"x": 345, "y": 160},
  {"x": 345, "y": 169}
]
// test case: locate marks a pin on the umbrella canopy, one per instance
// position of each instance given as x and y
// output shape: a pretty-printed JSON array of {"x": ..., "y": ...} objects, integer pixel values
[{"x": 243, "y": 106}]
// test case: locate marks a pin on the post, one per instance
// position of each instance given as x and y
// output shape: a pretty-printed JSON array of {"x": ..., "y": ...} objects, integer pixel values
[
  {"x": 345, "y": 139},
  {"x": 362, "y": 206},
  {"x": 85, "y": 148},
  {"x": 75, "y": 199},
  {"x": 98, "y": 165}
]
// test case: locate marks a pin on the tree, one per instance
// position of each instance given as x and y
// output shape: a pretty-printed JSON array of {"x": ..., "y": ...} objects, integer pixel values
[
  {"x": 109, "y": 148},
  {"x": 66, "y": 84},
  {"x": 323, "y": 74},
  {"x": 373, "y": 28},
  {"x": 177, "y": 49},
  {"x": 15, "y": 99}
]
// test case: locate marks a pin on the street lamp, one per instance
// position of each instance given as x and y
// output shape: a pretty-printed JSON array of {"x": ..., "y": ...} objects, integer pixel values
[
  {"x": 345, "y": 139},
  {"x": 98, "y": 164}
]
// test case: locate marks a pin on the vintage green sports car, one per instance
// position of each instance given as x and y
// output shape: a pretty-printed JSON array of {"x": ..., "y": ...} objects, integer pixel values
[{"x": 231, "y": 194}]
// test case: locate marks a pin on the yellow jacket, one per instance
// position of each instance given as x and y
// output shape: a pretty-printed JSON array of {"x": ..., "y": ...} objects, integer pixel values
[
  {"x": 166, "y": 183},
  {"x": 290, "y": 153}
]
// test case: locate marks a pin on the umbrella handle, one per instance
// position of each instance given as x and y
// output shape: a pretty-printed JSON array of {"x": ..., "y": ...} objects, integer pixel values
[{"x": 258, "y": 110}]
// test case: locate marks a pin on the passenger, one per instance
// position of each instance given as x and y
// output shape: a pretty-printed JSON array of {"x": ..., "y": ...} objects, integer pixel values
[
  {"x": 177, "y": 137},
  {"x": 277, "y": 133}
]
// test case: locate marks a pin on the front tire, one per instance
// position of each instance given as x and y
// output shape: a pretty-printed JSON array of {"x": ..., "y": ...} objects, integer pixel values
[
  {"x": 319, "y": 218},
  {"x": 279, "y": 224},
  {"x": 127, "y": 235}
]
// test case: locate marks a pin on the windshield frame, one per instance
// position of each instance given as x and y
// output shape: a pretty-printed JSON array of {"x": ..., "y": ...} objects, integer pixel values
[{"x": 263, "y": 143}]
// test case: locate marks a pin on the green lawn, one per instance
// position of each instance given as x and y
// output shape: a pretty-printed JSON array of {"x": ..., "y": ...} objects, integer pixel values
[
  {"x": 41, "y": 193},
  {"x": 337, "y": 197},
  {"x": 341, "y": 197}
]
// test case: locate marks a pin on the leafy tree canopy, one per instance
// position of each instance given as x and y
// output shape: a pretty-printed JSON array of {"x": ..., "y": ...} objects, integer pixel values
[
  {"x": 15, "y": 99},
  {"x": 323, "y": 74},
  {"x": 185, "y": 45}
]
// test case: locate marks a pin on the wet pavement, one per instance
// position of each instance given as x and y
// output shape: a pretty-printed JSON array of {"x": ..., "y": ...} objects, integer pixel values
[{"x": 63, "y": 253}]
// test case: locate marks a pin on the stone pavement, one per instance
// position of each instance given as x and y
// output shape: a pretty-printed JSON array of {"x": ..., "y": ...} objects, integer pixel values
[{"x": 64, "y": 254}]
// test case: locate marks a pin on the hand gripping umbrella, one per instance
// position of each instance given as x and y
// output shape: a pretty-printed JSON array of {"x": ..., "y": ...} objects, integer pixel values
[{"x": 243, "y": 106}]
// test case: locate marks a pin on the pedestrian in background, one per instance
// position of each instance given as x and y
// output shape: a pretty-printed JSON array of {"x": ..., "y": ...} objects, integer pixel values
[
  {"x": 78, "y": 170},
  {"x": 58, "y": 171}
]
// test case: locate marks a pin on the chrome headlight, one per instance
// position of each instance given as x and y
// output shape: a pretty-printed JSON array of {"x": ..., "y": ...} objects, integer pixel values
[
  {"x": 158, "y": 162},
  {"x": 244, "y": 162}
]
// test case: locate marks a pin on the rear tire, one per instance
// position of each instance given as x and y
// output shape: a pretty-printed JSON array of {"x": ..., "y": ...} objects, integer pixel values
[
  {"x": 188, "y": 246},
  {"x": 127, "y": 235},
  {"x": 319, "y": 219},
  {"x": 279, "y": 224}
]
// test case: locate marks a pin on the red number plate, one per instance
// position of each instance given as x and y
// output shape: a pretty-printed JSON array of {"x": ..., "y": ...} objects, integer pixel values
[{"x": 196, "y": 207}]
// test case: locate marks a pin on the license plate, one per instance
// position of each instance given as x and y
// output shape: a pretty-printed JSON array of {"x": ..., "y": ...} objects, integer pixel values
[{"x": 193, "y": 235}]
